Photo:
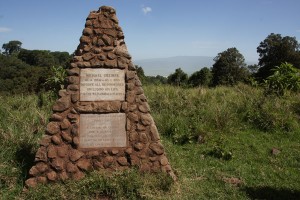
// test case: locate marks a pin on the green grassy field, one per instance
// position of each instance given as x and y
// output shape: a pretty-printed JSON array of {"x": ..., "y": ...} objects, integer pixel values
[{"x": 219, "y": 142}]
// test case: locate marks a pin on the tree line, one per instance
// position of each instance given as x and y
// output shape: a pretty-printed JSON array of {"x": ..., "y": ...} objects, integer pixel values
[
  {"x": 277, "y": 55},
  {"x": 23, "y": 70},
  {"x": 27, "y": 71}
]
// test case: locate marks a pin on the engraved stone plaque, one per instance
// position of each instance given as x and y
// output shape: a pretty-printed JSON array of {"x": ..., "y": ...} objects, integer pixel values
[
  {"x": 102, "y": 130},
  {"x": 102, "y": 85}
]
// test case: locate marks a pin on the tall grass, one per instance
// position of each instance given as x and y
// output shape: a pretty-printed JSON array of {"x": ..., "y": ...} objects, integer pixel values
[
  {"x": 185, "y": 114},
  {"x": 22, "y": 122},
  {"x": 219, "y": 142}
]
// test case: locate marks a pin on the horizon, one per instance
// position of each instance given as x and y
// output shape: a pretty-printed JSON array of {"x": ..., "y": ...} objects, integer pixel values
[{"x": 154, "y": 29}]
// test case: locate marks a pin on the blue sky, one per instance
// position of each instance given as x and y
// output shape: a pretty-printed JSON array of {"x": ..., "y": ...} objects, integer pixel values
[{"x": 154, "y": 28}]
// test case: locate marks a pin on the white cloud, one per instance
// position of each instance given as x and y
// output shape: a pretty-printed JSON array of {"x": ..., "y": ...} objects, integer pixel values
[
  {"x": 4, "y": 29},
  {"x": 146, "y": 10}
]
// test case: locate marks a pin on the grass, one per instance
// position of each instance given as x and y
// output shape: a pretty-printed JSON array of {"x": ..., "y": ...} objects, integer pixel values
[{"x": 219, "y": 142}]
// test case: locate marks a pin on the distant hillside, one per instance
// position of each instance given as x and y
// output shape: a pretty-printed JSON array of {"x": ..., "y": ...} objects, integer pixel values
[{"x": 166, "y": 66}]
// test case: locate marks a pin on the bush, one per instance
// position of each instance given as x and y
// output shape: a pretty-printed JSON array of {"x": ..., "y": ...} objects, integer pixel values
[
  {"x": 57, "y": 80},
  {"x": 285, "y": 78}
]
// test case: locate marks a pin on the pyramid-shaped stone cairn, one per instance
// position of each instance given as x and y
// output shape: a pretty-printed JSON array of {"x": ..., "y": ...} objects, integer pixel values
[{"x": 102, "y": 120}]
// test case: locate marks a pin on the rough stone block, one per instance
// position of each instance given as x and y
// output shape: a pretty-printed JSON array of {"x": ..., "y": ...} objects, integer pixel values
[
  {"x": 56, "y": 139},
  {"x": 92, "y": 15},
  {"x": 99, "y": 107},
  {"x": 139, "y": 146},
  {"x": 31, "y": 182},
  {"x": 52, "y": 176},
  {"x": 130, "y": 75},
  {"x": 85, "y": 39},
  {"x": 52, "y": 128},
  {"x": 106, "y": 40},
  {"x": 42, "y": 167},
  {"x": 73, "y": 72},
  {"x": 75, "y": 155},
  {"x": 122, "y": 161},
  {"x": 110, "y": 63},
  {"x": 65, "y": 124},
  {"x": 45, "y": 141},
  {"x": 87, "y": 31},
  {"x": 41, "y": 179},
  {"x": 84, "y": 164},
  {"x": 41, "y": 155},
  {"x": 164, "y": 161},
  {"x": 157, "y": 148},
  {"x": 73, "y": 87},
  {"x": 92, "y": 154},
  {"x": 63, "y": 176},
  {"x": 88, "y": 56},
  {"x": 154, "y": 133},
  {"x": 62, "y": 151},
  {"x": 111, "y": 56},
  {"x": 56, "y": 117},
  {"x": 143, "y": 137},
  {"x": 71, "y": 168},
  {"x": 66, "y": 136},
  {"x": 58, "y": 164},
  {"x": 108, "y": 161},
  {"x": 144, "y": 107},
  {"x": 133, "y": 117},
  {"x": 146, "y": 119},
  {"x": 78, "y": 175},
  {"x": 34, "y": 171},
  {"x": 62, "y": 104},
  {"x": 74, "y": 97},
  {"x": 52, "y": 152}
]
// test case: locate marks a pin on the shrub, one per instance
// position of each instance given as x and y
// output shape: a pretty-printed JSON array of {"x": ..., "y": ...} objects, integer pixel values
[
  {"x": 285, "y": 78},
  {"x": 56, "y": 82}
]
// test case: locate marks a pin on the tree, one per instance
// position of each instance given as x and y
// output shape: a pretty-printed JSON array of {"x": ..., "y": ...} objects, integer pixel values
[
  {"x": 12, "y": 47},
  {"x": 178, "y": 78},
  {"x": 61, "y": 58},
  {"x": 140, "y": 72},
  {"x": 44, "y": 58},
  {"x": 156, "y": 80},
  {"x": 275, "y": 50},
  {"x": 19, "y": 77},
  {"x": 200, "y": 78},
  {"x": 253, "y": 68},
  {"x": 229, "y": 68}
]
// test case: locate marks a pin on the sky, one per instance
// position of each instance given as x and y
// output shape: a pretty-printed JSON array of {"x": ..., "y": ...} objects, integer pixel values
[{"x": 154, "y": 28}]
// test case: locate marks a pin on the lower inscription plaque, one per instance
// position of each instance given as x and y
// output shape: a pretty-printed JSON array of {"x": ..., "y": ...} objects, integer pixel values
[{"x": 102, "y": 130}]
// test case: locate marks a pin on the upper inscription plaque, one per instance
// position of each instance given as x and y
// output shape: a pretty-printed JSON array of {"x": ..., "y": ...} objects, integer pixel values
[{"x": 102, "y": 85}]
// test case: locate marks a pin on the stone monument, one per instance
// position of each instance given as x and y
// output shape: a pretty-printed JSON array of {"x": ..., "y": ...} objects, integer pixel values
[{"x": 102, "y": 119}]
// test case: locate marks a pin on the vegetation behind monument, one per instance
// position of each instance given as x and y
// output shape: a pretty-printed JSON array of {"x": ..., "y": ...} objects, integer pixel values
[{"x": 26, "y": 71}]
